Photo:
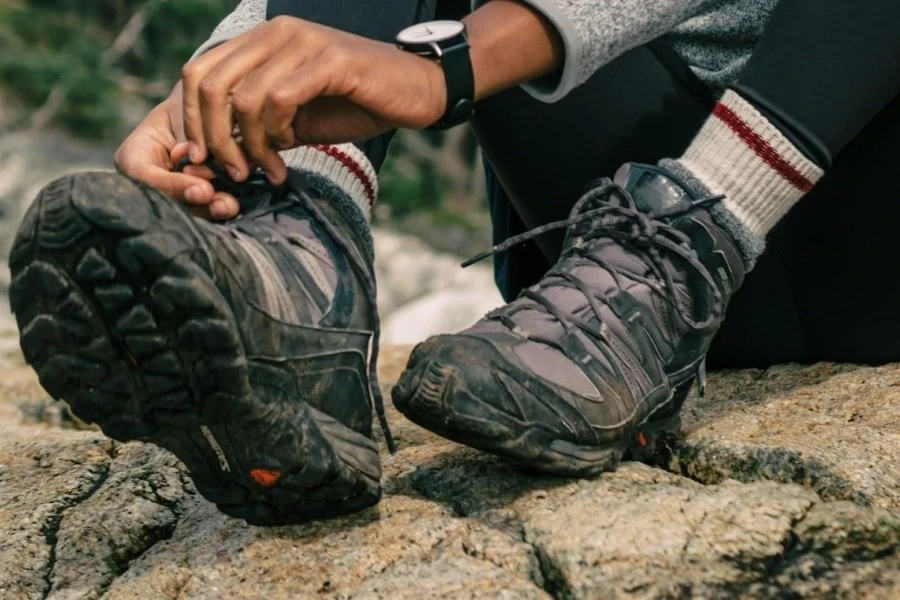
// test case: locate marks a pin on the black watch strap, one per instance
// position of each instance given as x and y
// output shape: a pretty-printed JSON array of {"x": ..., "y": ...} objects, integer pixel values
[{"x": 457, "y": 67}]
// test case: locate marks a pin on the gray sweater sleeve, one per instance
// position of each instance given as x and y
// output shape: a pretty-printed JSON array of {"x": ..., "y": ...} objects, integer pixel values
[
  {"x": 247, "y": 15},
  {"x": 595, "y": 32}
]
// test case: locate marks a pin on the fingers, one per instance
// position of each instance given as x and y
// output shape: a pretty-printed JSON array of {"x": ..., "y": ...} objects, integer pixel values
[
  {"x": 224, "y": 206},
  {"x": 191, "y": 75},
  {"x": 176, "y": 113},
  {"x": 149, "y": 155},
  {"x": 256, "y": 83},
  {"x": 180, "y": 186},
  {"x": 209, "y": 204},
  {"x": 216, "y": 105},
  {"x": 196, "y": 193},
  {"x": 315, "y": 78},
  {"x": 200, "y": 171},
  {"x": 248, "y": 102},
  {"x": 179, "y": 152},
  {"x": 221, "y": 206},
  {"x": 208, "y": 212},
  {"x": 209, "y": 84}
]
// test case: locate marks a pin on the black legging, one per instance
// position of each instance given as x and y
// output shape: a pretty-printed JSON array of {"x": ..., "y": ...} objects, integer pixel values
[
  {"x": 819, "y": 292},
  {"x": 825, "y": 68}
]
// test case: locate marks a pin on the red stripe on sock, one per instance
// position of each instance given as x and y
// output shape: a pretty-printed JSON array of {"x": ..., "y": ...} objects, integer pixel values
[
  {"x": 347, "y": 160},
  {"x": 762, "y": 148}
]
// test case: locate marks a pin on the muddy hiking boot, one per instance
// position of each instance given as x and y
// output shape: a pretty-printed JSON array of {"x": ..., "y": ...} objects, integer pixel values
[
  {"x": 592, "y": 363},
  {"x": 242, "y": 347}
]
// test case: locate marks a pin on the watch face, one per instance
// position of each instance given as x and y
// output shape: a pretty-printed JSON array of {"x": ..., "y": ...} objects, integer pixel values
[{"x": 432, "y": 31}]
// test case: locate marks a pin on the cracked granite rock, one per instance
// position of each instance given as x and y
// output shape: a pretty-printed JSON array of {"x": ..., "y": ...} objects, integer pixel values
[
  {"x": 834, "y": 428},
  {"x": 785, "y": 485},
  {"x": 76, "y": 509}
]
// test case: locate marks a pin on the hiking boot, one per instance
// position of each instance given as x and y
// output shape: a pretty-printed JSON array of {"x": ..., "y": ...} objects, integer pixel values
[
  {"x": 595, "y": 360},
  {"x": 242, "y": 347}
]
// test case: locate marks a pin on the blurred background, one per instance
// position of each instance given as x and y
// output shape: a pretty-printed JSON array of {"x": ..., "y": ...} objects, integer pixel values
[{"x": 77, "y": 75}]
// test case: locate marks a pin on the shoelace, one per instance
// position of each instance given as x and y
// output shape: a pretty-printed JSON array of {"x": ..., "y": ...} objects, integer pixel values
[
  {"x": 624, "y": 223},
  {"x": 265, "y": 198}
]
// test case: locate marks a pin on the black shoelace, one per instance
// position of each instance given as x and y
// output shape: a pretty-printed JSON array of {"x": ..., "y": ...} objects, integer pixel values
[
  {"x": 626, "y": 224},
  {"x": 263, "y": 197}
]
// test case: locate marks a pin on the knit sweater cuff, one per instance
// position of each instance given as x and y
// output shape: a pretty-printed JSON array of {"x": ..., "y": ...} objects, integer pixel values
[
  {"x": 344, "y": 166},
  {"x": 594, "y": 33},
  {"x": 218, "y": 37},
  {"x": 246, "y": 15},
  {"x": 555, "y": 86},
  {"x": 742, "y": 156}
]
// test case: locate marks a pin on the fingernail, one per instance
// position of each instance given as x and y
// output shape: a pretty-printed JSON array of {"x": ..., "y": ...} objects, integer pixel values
[
  {"x": 234, "y": 172},
  {"x": 194, "y": 152},
  {"x": 194, "y": 194},
  {"x": 217, "y": 209}
]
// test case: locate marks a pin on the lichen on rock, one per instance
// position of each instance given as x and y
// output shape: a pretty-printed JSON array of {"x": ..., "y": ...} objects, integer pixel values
[{"x": 785, "y": 484}]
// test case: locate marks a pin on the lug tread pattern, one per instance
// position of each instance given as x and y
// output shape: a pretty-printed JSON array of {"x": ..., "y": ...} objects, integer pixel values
[{"x": 119, "y": 320}]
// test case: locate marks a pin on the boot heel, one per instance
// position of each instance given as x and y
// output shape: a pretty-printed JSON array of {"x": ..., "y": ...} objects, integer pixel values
[{"x": 653, "y": 440}]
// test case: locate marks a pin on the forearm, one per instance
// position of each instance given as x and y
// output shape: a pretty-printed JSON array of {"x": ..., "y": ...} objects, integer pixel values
[
  {"x": 594, "y": 32},
  {"x": 512, "y": 43}
]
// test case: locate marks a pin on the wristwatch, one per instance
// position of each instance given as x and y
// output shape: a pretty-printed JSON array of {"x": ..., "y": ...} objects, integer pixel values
[{"x": 446, "y": 41}]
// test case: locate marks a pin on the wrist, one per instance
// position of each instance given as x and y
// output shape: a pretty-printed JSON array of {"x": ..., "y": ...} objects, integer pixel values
[
  {"x": 511, "y": 44},
  {"x": 441, "y": 49},
  {"x": 437, "y": 90}
]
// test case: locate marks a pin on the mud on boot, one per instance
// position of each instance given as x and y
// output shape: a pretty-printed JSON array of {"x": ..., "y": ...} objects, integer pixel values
[
  {"x": 243, "y": 348},
  {"x": 591, "y": 365}
]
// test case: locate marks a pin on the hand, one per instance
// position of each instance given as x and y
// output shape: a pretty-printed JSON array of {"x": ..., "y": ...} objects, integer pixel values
[
  {"x": 153, "y": 149},
  {"x": 289, "y": 82}
]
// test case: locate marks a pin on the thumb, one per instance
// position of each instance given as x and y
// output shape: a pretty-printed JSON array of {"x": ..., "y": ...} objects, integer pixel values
[{"x": 156, "y": 171}]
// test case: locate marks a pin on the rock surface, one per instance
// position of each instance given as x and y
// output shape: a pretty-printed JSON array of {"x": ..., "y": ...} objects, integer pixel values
[
  {"x": 785, "y": 485},
  {"x": 833, "y": 428}
]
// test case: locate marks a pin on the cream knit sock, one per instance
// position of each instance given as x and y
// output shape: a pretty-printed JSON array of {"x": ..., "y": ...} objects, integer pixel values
[
  {"x": 740, "y": 155},
  {"x": 343, "y": 168}
]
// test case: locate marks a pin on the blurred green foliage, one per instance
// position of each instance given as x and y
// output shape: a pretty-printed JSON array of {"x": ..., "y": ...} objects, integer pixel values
[
  {"x": 79, "y": 64},
  {"x": 77, "y": 58}
]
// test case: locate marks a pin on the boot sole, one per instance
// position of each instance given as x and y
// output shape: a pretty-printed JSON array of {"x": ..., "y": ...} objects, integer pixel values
[
  {"x": 506, "y": 435},
  {"x": 115, "y": 298}
]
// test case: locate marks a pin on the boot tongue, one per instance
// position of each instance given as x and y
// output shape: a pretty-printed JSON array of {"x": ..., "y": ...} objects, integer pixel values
[{"x": 652, "y": 191}]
